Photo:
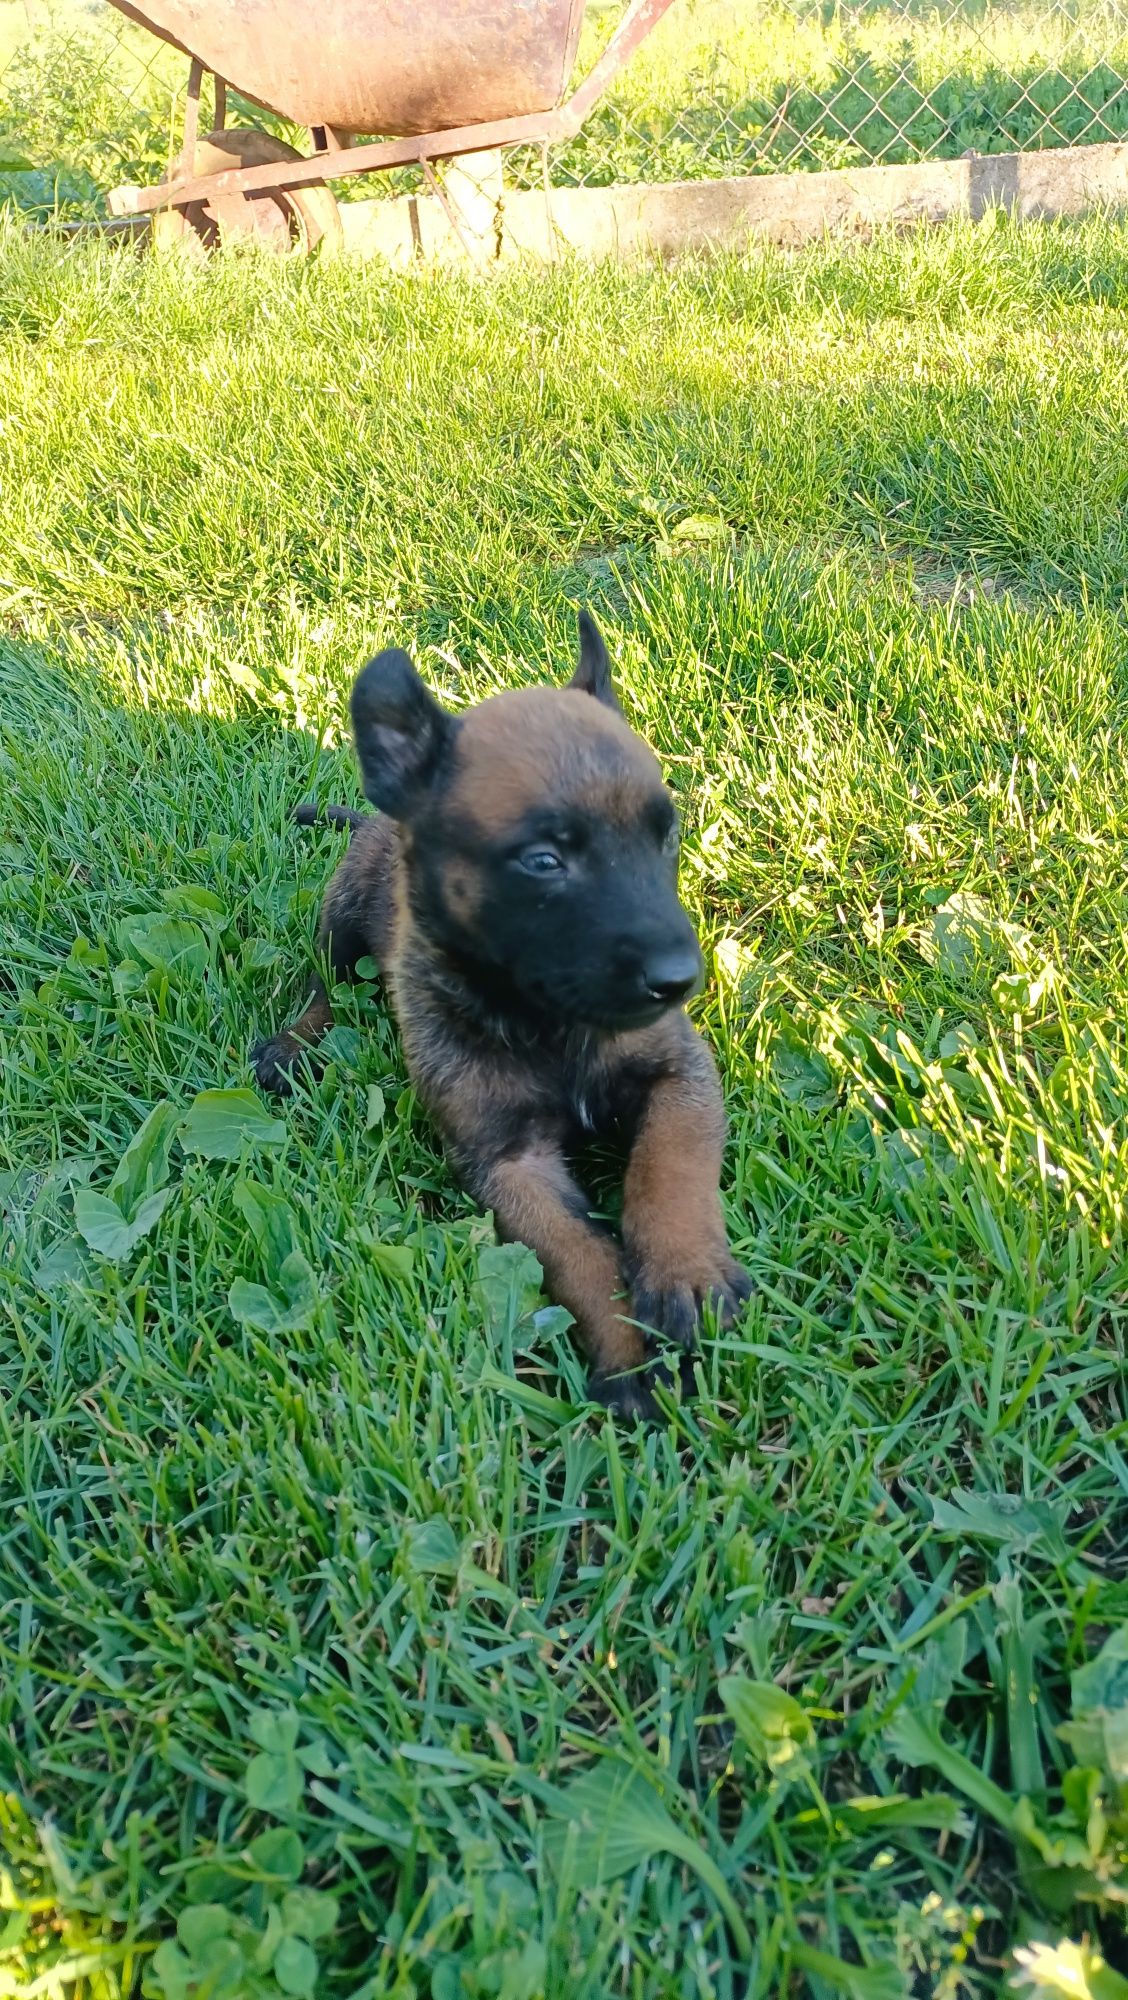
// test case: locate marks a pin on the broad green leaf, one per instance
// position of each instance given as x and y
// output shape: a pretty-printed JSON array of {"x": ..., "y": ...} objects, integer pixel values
[
  {"x": 958, "y": 1042},
  {"x": 432, "y": 1547},
  {"x": 802, "y": 1072},
  {"x": 66, "y": 1263},
  {"x": 309, "y": 1913},
  {"x": 615, "y": 1822},
  {"x": 965, "y": 934},
  {"x": 274, "y": 1784},
  {"x": 211, "y": 1882},
  {"x": 397, "y": 1259},
  {"x": 167, "y": 944},
  {"x": 278, "y": 1854},
  {"x": 374, "y": 1107},
  {"x": 274, "y": 1729},
  {"x": 295, "y": 1967},
  {"x": 144, "y": 1165},
  {"x": 215, "y": 1970},
  {"x": 270, "y": 1219},
  {"x": 938, "y": 1812},
  {"x": 178, "y": 1977},
  {"x": 127, "y": 979},
  {"x": 220, "y": 1968},
  {"x": 1099, "y": 1739},
  {"x": 204, "y": 905},
  {"x": 509, "y": 1284},
  {"x": 619, "y": 1819},
  {"x": 343, "y": 1046},
  {"x": 909, "y": 1155},
  {"x": 102, "y": 1225},
  {"x": 252, "y": 1305},
  {"x": 804, "y": 1077},
  {"x": 366, "y": 968},
  {"x": 255, "y": 1307},
  {"x": 258, "y": 955},
  {"x": 917, "y": 1741},
  {"x": 552, "y": 1322},
  {"x": 1098, "y": 1731},
  {"x": 936, "y": 1665},
  {"x": 1023, "y": 992},
  {"x": 1103, "y": 1681},
  {"x": 197, "y": 1926},
  {"x": 220, "y": 1123},
  {"x": 149, "y": 1211},
  {"x": 700, "y": 528},
  {"x": 772, "y": 1723},
  {"x": 1003, "y": 1519}
]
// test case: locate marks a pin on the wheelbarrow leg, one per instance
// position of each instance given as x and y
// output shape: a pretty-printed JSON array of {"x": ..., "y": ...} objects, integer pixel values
[
  {"x": 191, "y": 119},
  {"x": 469, "y": 193},
  {"x": 327, "y": 139},
  {"x": 474, "y": 187}
]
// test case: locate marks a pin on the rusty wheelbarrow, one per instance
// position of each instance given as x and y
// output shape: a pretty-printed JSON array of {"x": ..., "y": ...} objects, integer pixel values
[{"x": 437, "y": 78}]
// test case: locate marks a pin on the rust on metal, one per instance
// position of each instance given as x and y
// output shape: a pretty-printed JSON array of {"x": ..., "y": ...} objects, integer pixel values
[
  {"x": 393, "y": 66},
  {"x": 487, "y": 44},
  {"x": 191, "y": 118}
]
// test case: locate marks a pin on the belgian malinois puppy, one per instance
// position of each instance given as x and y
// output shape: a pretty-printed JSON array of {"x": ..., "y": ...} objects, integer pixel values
[{"x": 517, "y": 886}]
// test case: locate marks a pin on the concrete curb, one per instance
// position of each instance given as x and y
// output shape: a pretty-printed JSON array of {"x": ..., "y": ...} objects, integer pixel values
[{"x": 688, "y": 216}]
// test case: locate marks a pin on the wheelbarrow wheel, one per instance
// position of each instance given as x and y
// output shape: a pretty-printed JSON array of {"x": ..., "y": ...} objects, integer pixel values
[{"x": 298, "y": 219}]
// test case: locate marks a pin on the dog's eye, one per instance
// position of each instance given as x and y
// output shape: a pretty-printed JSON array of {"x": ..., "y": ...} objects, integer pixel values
[{"x": 541, "y": 861}]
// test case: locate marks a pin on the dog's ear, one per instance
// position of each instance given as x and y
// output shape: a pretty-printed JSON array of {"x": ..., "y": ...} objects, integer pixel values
[
  {"x": 593, "y": 669},
  {"x": 399, "y": 730}
]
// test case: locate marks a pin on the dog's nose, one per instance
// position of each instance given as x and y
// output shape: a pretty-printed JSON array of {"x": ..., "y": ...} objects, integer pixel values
[{"x": 672, "y": 975}]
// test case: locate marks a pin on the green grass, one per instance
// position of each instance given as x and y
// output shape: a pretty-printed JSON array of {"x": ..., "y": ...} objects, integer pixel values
[{"x": 854, "y": 525}]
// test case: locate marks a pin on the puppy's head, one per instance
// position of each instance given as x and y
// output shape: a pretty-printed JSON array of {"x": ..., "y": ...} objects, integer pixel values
[{"x": 540, "y": 841}]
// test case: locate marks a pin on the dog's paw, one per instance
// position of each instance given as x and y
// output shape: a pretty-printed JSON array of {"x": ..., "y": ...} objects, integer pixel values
[
  {"x": 632, "y": 1396},
  {"x": 274, "y": 1062},
  {"x": 628, "y": 1396},
  {"x": 671, "y": 1302}
]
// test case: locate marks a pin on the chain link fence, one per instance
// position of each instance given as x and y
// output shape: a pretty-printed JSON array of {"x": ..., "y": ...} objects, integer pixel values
[{"x": 88, "y": 100}]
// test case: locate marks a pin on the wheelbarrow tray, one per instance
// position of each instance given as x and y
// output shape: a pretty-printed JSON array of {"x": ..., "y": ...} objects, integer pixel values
[
  {"x": 386, "y": 66},
  {"x": 457, "y": 60}
]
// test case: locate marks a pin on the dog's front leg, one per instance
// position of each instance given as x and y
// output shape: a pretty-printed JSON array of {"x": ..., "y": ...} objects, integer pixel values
[
  {"x": 674, "y": 1234},
  {"x": 342, "y": 940},
  {"x": 536, "y": 1201}
]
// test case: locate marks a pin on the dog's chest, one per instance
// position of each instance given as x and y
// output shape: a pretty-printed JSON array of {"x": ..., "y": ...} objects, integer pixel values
[
  {"x": 586, "y": 1112},
  {"x": 600, "y": 1100}
]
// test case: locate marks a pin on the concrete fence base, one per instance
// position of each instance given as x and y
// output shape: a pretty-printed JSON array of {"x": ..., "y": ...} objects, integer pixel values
[
  {"x": 477, "y": 222},
  {"x": 694, "y": 216}
]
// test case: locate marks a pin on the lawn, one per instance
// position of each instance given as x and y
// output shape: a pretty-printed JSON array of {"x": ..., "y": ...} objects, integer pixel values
[{"x": 335, "y": 1630}]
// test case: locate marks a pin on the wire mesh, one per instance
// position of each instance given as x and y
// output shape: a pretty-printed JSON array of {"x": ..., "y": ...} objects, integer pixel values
[{"x": 722, "y": 87}]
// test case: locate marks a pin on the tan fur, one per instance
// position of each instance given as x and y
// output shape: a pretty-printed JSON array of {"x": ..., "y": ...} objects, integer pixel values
[
  {"x": 510, "y": 1099},
  {"x": 534, "y": 1198},
  {"x": 522, "y": 749}
]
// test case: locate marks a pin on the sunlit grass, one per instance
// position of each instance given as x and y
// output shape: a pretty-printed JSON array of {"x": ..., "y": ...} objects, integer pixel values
[{"x": 853, "y": 523}]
